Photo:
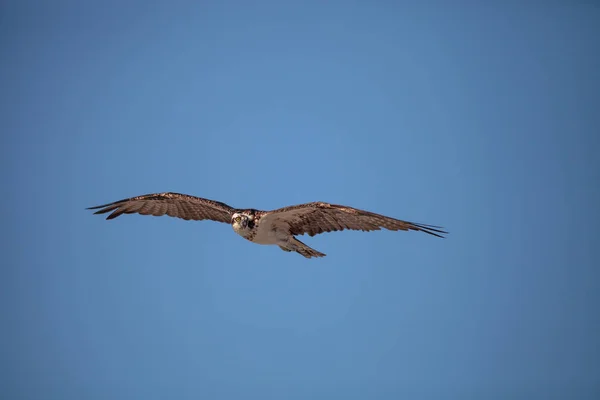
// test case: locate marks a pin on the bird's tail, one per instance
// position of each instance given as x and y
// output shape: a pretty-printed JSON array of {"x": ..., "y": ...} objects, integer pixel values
[{"x": 300, "y": 248}]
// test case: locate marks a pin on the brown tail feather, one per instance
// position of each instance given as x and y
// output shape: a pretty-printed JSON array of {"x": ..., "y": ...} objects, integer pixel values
[{"x": 302, "y": 249}]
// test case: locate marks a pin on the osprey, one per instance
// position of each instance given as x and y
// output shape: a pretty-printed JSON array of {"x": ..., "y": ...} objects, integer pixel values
[{"x": 277, "y": 227}]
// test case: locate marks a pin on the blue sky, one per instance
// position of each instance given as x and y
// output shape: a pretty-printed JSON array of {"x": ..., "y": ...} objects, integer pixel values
[{"x": 483, "y": 120}]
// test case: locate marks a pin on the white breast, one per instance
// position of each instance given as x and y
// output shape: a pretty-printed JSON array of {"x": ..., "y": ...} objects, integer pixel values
[{"x": 264, "y": 234}]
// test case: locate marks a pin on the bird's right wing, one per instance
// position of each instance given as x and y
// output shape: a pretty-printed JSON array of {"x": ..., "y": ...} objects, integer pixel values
[{"x": 172, "y": 204}]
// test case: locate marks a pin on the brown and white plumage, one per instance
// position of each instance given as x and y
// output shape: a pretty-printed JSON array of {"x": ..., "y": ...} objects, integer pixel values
[
  {"x": 276, "y": 227},
  {"x": 319, "y": 217},
  {"x": 172, "y": 204}
]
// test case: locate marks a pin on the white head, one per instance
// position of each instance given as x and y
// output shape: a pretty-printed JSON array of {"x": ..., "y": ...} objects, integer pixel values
[{"x": 242, "y": 222}]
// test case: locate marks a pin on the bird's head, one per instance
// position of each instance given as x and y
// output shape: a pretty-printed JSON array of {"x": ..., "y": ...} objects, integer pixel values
[{"x": 240, "y": 221}]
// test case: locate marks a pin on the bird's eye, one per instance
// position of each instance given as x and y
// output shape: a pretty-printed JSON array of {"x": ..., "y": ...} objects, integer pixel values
[{"x": 237, "y": 219}]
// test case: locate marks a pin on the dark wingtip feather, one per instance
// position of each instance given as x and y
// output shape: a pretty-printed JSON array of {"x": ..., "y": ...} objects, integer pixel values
[
  {"x": 103, "y": 209},
  {"x": 431, "y": 229},
  {"x": 102, "y": 206},
  {"x": 115, "y": 213}
]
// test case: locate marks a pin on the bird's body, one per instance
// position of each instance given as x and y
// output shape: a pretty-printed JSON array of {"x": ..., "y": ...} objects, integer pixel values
[{"x": 277, "y": 227}]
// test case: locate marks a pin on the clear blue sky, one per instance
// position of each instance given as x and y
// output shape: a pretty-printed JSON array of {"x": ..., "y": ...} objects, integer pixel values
[{"x": 483, "y": 120}]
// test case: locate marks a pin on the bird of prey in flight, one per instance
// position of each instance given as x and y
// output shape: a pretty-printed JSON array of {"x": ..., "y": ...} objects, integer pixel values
[{"x": 277, "y": 227}]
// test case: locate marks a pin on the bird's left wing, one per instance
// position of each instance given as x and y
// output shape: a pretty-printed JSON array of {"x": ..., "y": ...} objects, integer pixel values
[
  {"x": 319, "y": 217},
  {"x": 172, "y": 204}
]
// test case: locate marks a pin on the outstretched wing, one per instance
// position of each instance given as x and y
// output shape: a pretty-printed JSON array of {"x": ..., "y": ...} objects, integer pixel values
[
  {"x": 318, "y": 217},
  {"x": 173, "y": 204}
]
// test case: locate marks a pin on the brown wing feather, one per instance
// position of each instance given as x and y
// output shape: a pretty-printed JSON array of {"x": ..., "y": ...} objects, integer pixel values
[
  {"x": 172, "y": 204},
  {"x": 318, "y": 217}
]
